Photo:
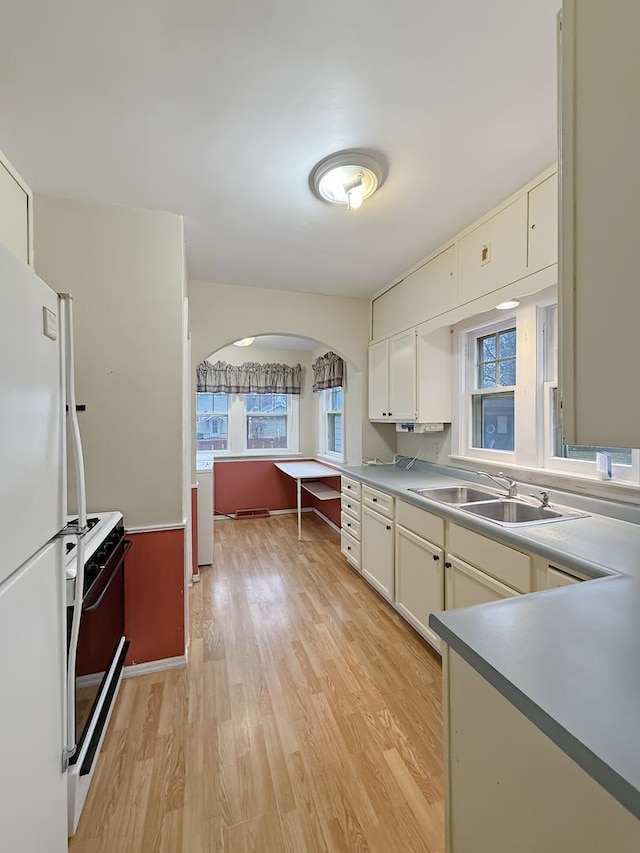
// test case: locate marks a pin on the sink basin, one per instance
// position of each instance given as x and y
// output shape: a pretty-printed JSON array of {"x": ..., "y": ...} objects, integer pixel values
[
  {"x": 509, "y": 512},
  {"x": 456, "y": 494}
]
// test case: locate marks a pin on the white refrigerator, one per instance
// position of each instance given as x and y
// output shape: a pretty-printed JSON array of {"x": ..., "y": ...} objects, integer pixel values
[{"x": 35, "y": 726}]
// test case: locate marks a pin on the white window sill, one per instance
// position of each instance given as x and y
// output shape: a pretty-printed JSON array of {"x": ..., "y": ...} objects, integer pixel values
[
  {"x": 552, "y": 472},
  {"x": 254, "y": 456},
  {"x": 327, "y": 457}
]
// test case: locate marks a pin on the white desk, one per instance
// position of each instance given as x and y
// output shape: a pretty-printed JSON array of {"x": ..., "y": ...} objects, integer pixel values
[{"x": 300, "y": 471}]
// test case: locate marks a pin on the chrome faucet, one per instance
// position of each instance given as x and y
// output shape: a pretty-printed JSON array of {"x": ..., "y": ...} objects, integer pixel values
[
  {"x": 543, "y": 497},
  {"x": 511, "y": 485}
]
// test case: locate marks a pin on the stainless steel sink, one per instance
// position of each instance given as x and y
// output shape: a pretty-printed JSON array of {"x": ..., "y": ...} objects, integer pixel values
[
  {"x": 513, "y": 513},
  {"x": 456, "y": 494}
]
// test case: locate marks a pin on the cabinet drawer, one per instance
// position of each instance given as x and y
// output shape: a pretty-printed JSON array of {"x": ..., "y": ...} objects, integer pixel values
[
  {"x": 499, "y": 561},
  {"x": 351, "y": 507},
  {"x": 350, "y": 548},
  {"x": 351, "y": 525},
  {"x": 378, "y": 501},
  {"x": 556, "y": 578},
  {"x": 466, "y": 586},
  {"x": 351, "y": 487},
  {"x": 420, "y": 521}
]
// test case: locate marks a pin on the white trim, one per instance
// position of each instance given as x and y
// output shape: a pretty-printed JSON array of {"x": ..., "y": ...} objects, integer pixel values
[
  {"x": 326, "y": 520},
  {"x": 271, "y": 512},
  {"x": 158, "y": 528},
  {"x": 154, "y": 666}
]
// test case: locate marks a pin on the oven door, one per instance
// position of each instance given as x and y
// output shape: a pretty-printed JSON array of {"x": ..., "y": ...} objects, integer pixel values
[{"x": 101, "y": 652}]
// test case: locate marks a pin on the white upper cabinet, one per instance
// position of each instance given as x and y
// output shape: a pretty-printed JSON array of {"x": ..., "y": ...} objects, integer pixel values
[
  {"x": 434, "y": 379},
  {"x": 15, "y": 212},
  {"x": 495, "y": 253},
  {"x": 379, "y": 381},
  {"x": 543, "y": 225},
  {"x": 427, "y": 292},
  {"x": 392, "y": 378},
  {"x": 599, "y": 222},
  {"x": 402, "y": 376}
]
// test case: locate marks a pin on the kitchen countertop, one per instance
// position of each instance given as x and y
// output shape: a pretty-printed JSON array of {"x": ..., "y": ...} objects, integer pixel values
[
  {"x": 566, "y": 658},
  {"x": 595, "y": 546}
]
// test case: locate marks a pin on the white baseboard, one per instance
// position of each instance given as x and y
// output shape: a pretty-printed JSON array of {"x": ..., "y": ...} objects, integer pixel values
[
  {"x": 271, "y": 512},
  {"x": 154, "y": 666},
  {"x": 327, "y": 521}
]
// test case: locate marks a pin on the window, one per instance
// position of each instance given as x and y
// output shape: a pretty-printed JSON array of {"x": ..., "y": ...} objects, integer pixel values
[
  {"x": 493, "y": 389},
  {"x": 331, "y": 441},
  {"x": 571, "y": 457},
  {"x": 212, "y": 422},
  {"x": 239, "y": 424},
  {"x": 507, "y": 408},
  {"x": 266, "y": 421}
]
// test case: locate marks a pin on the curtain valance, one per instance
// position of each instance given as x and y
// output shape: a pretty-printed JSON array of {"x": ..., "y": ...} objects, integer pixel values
[
  {"x": 328, "y": 371},
  {"x": 249, "y": 378}
]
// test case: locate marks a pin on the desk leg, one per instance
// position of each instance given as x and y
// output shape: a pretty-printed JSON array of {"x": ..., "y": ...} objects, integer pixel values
[{"x": 299, "y": 490}]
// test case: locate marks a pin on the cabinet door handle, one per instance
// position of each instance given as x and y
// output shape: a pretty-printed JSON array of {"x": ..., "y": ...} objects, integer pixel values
[
  {"x": 448, "y": 565},
  {"x": 388, "y": 527},
  {"x": 435, "y": 557}
]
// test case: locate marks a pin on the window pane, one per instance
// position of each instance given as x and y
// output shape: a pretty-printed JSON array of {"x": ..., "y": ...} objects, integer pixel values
[
  {"x": 265, "y": 403},
  {"x": 487, "y": 346},
  {"x": 507, "y": 372},
  {"x": 266, "y": 432},
  {"x": 334, "y": 433},
  {"x": 211, "y": 402},
  {"x": 204, "y": 402},
  {"x": 493, "y": 421},
  {"x": 335, "y": 399},
  {"x": 507, "y": 345},
  {"x": 211, "y": 432},
  {"x": 488, "y": 375}
]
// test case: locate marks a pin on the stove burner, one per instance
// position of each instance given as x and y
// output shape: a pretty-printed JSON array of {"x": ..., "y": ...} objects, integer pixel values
[{"x": 91, "y": 522}]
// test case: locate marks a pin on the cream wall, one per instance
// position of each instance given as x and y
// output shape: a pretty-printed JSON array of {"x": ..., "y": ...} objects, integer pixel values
[
  {"x": 221, "y": 314},
  {"x": 238, "y": 355},
  {"x": 125, "y": 269}
]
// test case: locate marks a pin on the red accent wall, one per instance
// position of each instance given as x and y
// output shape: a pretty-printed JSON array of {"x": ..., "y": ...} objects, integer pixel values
[
  {"x": 194, "y": 530},
  {"x": 247, "y": 485},
  {"x": 154, "y": 595},
  {"x": 252, "y": 484}
]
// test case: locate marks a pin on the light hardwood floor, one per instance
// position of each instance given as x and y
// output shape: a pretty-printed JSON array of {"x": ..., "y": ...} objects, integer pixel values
[{"x": 308, "y": 718}]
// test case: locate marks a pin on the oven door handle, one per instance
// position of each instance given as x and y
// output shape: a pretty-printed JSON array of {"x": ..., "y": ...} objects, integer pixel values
[{"x": 127, "y": 544}]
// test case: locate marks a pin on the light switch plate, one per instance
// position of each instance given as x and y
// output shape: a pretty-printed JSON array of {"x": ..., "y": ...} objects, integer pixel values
[{"x": 49, "y": 323}]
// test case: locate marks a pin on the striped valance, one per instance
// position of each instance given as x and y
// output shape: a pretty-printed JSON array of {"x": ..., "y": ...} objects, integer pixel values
[
  {"x": 250, "y": 378},
  {"x": 328, "y": 372}
]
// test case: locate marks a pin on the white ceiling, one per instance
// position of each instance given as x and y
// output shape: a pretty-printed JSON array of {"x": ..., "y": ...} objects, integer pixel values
[{"x": 219, "y": 109}]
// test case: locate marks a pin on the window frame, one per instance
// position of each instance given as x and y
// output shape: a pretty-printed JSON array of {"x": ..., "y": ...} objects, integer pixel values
[
  {"x": 469, "y": 337},
  {"x": 237, "y": 416},
  {"x": 211, "y": 414},
  {"x": 323, "y": 429}
]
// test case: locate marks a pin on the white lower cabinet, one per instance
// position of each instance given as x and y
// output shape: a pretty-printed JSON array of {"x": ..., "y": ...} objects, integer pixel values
[
  {"x": 559, "y": 577},
  {"x": 377, "y": 557},
  {"x": 466, "y": 586},
  {"x": 419, "y": 577}
]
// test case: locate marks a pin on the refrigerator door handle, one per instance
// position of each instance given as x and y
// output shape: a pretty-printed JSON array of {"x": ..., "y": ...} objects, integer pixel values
[{"x": 75, "y": 442}]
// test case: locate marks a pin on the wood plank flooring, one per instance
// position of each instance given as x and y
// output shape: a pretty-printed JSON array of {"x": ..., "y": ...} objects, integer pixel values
[{"x": 308, "y": 718}]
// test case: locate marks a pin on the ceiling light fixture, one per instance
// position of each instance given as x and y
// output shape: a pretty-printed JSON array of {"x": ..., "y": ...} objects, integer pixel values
[
  {"x": 348, "y": 178},
  {"x": 510, "y": 303},
  {"x": 244, "y": 342}
]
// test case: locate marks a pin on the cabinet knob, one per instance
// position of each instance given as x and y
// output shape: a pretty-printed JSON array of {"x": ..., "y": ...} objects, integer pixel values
[
  {"x": 448, "y": 565},
  {"x": 390, "y": 414},
  {"x": 533, "y": 225},
  {"x": 348, "y": 525},
  {"x": 348, "y": 547},
  {"x": 388, "y": 527},
  {"x": 375, "y": 500},
  {"x": 384, "y": 414},
  {"x": 436, "y": 557}
]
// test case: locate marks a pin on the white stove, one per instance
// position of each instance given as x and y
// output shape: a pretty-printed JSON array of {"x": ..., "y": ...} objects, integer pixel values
[{"x": 101, "y": 524}]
